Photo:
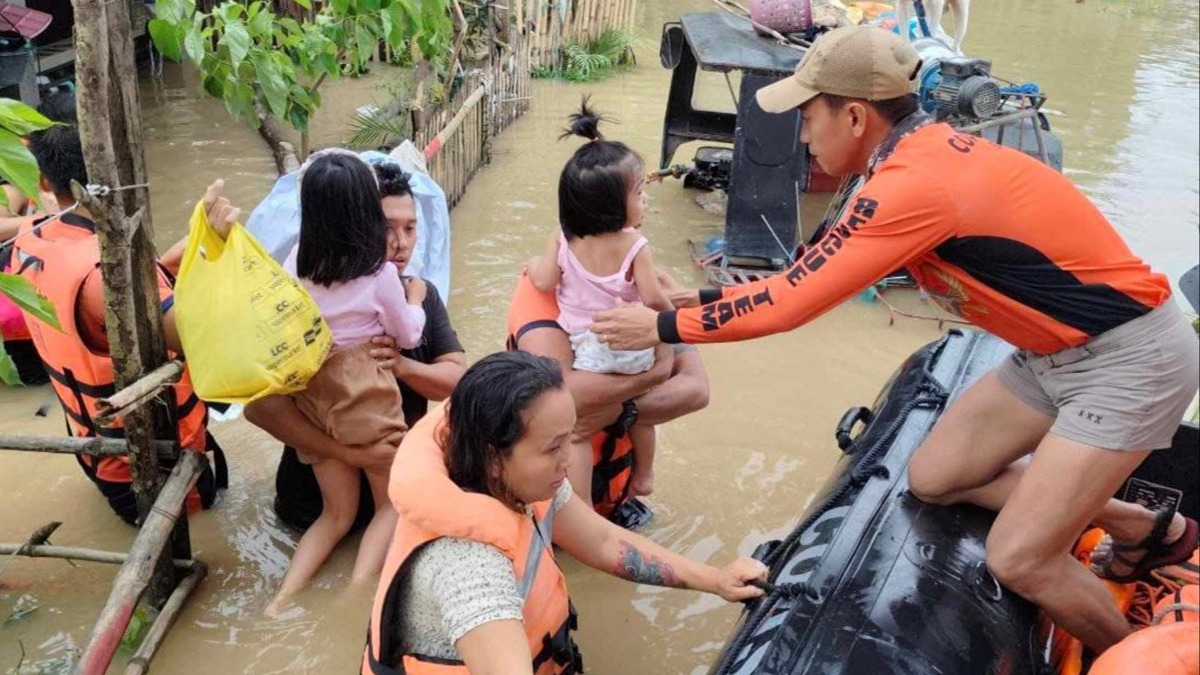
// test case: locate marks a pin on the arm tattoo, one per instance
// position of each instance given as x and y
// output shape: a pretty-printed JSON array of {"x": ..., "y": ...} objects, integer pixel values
[{"x": 638, "y": 567}]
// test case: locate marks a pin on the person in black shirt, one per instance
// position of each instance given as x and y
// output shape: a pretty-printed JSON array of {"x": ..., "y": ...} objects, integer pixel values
[{"x": 427, "y": 372}]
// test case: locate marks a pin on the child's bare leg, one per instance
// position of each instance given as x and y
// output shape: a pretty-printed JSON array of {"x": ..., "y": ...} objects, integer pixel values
[
  {"x": 643, "y": 439},
  {"x": 378, "y": 536},
  {"x": 579, "y": 467},
  {"x": 339, "y": 491}
]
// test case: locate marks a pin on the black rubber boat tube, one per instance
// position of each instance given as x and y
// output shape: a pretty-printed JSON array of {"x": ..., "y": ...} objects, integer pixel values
[{"x": 932, "y": 395}]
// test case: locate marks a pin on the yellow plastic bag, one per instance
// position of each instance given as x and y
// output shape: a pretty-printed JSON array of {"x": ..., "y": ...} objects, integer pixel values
[{"x": 247, "y": 327}]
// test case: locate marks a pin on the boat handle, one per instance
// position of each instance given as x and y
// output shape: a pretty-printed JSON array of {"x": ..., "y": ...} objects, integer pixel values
[
  {"x": 985, "y": 584},
  {"x": 853, "y": 416}
]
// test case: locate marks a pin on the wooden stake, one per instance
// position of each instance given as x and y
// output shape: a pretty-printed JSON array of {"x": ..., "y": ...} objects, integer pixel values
[
  {"x": 94, "y": 446},
  {"x": 110, "y": 409},
  {"x": 140, "y": 663},
  {"x": 81, "y": 554},
  {"x": 134, "y": 575}
]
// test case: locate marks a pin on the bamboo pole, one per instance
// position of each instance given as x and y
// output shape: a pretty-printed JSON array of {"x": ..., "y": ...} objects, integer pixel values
[
  {"x": 135, "y": 574},
  {"x": 434, "y": 146},
  {"x": 79, "y": 554},
  {"x": 93, "y": 446},
  {"x": 140, "y": 663},
  {"x": 135, "y": 395}
]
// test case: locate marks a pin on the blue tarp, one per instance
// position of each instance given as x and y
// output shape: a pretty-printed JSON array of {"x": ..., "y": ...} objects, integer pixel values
[{"x": 275, "y": 222}]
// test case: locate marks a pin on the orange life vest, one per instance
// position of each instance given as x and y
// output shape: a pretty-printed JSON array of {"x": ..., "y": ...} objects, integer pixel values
[
  {"x": 57, "y": 258},
  {"x": 431, "y": 506},
  {"x": 612, "y": 451},
  {"x": 612, "y": 467},
  {"x": 1167, "y": 649},
  {"x": 1180, "y": 606}
]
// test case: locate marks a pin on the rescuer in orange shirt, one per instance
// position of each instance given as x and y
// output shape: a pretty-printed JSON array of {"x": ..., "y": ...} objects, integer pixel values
[{"x": 1106, "y": 362}]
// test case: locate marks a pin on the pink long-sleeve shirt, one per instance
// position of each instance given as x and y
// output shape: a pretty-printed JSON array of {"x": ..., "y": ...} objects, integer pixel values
[{"x": 366, "y": 307}]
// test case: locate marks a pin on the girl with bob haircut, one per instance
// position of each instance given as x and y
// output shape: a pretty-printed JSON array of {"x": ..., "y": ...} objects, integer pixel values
[{"x": 343, "y": 260}]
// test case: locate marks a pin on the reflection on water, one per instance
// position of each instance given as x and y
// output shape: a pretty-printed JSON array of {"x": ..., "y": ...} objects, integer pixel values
[{"x": 729, "y": 477}]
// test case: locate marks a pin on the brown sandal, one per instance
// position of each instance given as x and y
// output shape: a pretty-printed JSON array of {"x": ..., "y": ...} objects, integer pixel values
[{"x": 1157, "y": 552}]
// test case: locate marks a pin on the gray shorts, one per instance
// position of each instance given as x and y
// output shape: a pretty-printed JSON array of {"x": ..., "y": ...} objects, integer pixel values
[{"x": 1125, "y": 389}]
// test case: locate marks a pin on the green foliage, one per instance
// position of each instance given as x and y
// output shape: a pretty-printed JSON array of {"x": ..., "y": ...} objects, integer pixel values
[
  {"x": 139, "y": 623},
  {"x": 373, "y": 130},
  {"x": 18, "y": 167},
  {"x": 24, "y": 295},
  {"x": 597, "y": 59},
  {"x": 248, "y": 55}
]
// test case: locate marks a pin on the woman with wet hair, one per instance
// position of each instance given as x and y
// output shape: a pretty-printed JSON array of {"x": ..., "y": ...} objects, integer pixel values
[{"x": 481, "y": 489}]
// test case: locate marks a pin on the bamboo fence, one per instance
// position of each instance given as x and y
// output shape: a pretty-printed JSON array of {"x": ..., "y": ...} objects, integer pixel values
[
  {"x": 457, "y": 137},
  {"x": 550, "y": 25}
]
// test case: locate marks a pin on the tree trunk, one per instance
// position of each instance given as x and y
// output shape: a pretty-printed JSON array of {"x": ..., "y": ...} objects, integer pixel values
[
  {"x": 269, "y": 128},
  {"x": 110, "y": 128}
]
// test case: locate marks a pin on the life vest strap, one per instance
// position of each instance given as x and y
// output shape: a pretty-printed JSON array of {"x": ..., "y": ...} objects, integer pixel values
[
  {"x": 70, "y": 381},
  {"x": 559, "y": 648},
  {"x": 608, "y": 468},
  {"x": 532, "y": 325}
]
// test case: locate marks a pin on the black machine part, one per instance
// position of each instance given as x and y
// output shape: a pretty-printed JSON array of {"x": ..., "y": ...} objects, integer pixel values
[
  {"x": 710, "y": 169},
  {"x": 769, "y": 166},
  {"x": 1020, "y": 135},
  {"x": 967, "y": 89}
]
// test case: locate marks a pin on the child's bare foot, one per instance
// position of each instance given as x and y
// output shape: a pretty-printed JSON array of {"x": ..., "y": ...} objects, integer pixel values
[
  {"x": 642, "y": 483},
  {"x": 278, "y": 607}
]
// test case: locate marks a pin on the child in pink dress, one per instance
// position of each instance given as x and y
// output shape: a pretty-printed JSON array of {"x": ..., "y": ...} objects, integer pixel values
[
  {"x": 343, "y": 260},
  {"x": 600, "y": 259}
]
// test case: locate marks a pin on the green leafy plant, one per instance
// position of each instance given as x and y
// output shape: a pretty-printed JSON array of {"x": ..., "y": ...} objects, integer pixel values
[
  {"x": 374, "y": 130},
  {"x": 611, "y": 51},
  {"x": 19, "y": 167},
  {"x": 139, "y": 624},
  {"x": 255, "y": 60}
]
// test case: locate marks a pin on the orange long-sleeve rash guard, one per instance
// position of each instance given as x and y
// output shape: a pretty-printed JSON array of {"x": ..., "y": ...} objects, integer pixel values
[{"x": 991, "y": 234}]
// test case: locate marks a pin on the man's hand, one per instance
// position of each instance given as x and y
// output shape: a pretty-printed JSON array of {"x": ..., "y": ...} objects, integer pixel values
[
  {"x": 221, "y": 213},
  {"x": 377, "y": 458},
  {"x": 664, "y": 364},
  {"x": 627, "y": 328},
  {"x": 680, "y": 296},
  {"x": 383, "y": 350},
  {"x": 414, "y": 290}
]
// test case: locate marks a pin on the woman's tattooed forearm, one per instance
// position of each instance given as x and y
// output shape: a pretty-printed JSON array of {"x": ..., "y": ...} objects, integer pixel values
[{"x": 636, "y": 566}]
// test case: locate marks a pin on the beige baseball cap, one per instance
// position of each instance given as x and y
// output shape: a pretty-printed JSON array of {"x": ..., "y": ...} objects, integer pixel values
[{"x": 861, "y": 62}]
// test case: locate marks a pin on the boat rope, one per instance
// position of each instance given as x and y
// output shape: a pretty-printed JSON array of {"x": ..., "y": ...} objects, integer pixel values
[
  {"x": 97, "y": 190},
  {"x": 894, "y": 311}
]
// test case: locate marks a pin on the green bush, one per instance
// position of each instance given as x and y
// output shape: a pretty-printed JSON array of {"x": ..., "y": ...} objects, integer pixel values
[{"x": 594, "y": 60}]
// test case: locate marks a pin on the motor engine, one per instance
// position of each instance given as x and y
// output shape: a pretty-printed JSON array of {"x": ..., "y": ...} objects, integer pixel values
[{"x": 966, "y": 89}]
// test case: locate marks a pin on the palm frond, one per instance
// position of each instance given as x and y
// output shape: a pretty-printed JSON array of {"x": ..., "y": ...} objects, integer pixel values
[{"x": 372, "y": 131}]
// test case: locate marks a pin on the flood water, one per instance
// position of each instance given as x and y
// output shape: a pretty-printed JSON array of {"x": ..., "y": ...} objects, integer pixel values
[{"x": 741, "y": 471}]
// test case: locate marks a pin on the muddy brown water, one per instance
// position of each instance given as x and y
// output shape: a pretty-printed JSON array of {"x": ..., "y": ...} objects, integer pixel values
[{"x": 739, "y": 472}]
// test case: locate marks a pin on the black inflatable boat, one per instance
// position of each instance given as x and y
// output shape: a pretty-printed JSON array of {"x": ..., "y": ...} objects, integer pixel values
[{"x": 875, "y": 581}]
